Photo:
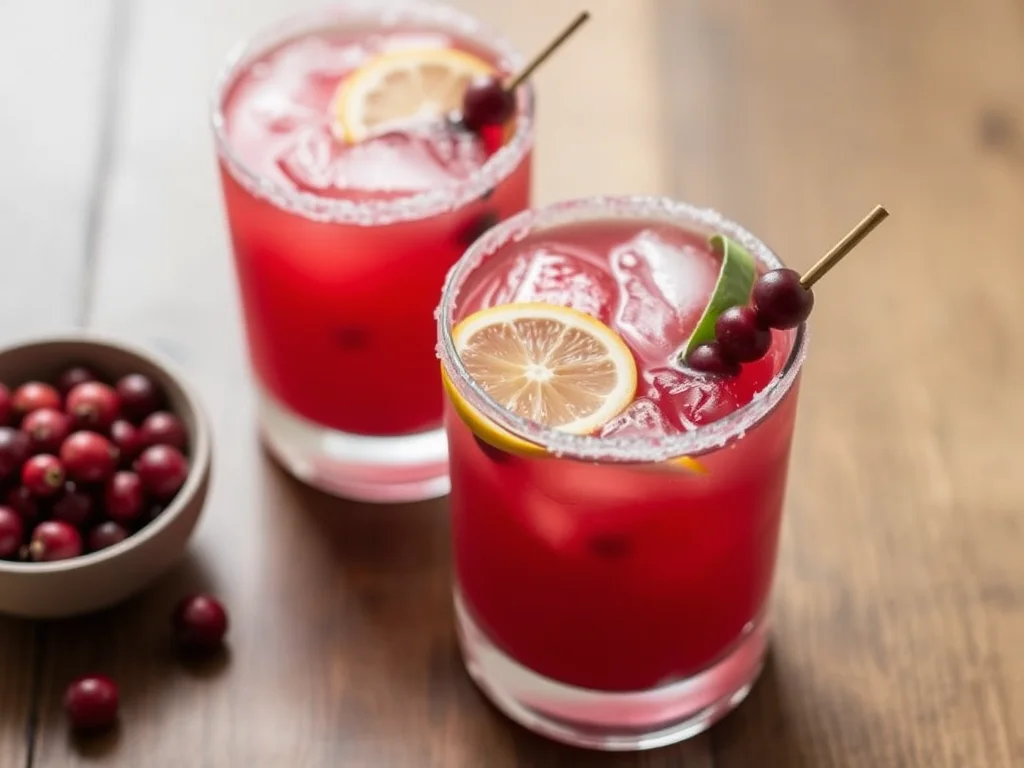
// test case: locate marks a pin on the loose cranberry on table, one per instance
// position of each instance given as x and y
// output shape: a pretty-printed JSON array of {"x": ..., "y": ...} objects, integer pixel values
[
  {"x": 123, "y": 497},
  {"x": 15, "y": 448},
  {"x": 12, "y": 532},
  {"x": 33, "y": 395},
  {"x": 162, "y": 428},
  {"x": 43, "y": 475},
  {"x": 74, "y": 376},
  {"x": 200, "y": 622},
  {"x": 46, "y": 429},
  {"x": 162, "y": 469},
  {"x": 54, "y": 540},
  {"x": 75, "y": 506},
  {"x": 93, "y": 405},
  {"x": 139, "y": 396},
  {"x": 88, "y": 457},
  {"x": 106, "y": 535},
  {"x": 91, "y": 702}
]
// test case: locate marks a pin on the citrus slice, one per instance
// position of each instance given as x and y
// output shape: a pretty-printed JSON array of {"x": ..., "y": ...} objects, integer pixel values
[
  {"x": 403, "y": 87},
  {"x": 552, "y": 365},
  {"x": 733, "y": 286}
]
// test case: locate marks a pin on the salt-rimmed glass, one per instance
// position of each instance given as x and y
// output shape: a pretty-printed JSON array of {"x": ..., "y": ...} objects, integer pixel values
[
  {"x": 338, "y": 292},
  {"x": 605, "y": 598}
]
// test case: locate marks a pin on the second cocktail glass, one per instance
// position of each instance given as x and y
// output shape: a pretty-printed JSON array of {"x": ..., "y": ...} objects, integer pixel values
[{"x": 344, "y": 223}]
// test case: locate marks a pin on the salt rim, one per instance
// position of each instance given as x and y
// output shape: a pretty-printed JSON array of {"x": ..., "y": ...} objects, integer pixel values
[
  {"x": 382, "y": 14},
  {"x": 616, "y": 449}
]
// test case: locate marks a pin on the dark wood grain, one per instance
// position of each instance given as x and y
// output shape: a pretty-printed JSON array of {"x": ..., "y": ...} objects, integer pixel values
[
  {"x": 49, "y": 142},
  {"x": 899, "y": 607},
  {"x": 898, "y": 611}
]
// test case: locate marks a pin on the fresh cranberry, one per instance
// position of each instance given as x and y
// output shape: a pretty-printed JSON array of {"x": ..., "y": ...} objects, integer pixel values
[
  {"x": 12, "y": 532},
  {"x": 139, "y": 396},
  {"x": 74, "y": 376},
  {"x": 75, "y": 506},
  {"x": 93, "y": 405},
  {"x": 123, "y": 497},
  {"x": 46, "y": 429},
  {"x": 43, "y": 475},
  {"x": 709, "y": 358},
  {"x": 20, "y": 499},
  {"x": 54, "y": 540},
  {"x": 162, "y": 428},
  {"x": 6, "y": 405},
  {"x": 486, "y": 102},
  {"x": 105, "y": 535},
  {"x": 126, "y": 437},
  {"x": 88, "y": 457},
  {"x": 780, "y": 300},
  {"x": 200, "y": 622},
  {"x": 162, "y": 469},
  {"x": 740, "y": 336},
  {"x": 91, "y": 702},
  {"x": 33, "y": 395},
  {"x": 14, "y": 450}
]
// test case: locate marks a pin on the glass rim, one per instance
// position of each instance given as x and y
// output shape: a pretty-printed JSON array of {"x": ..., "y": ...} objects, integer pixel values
[
  {"x": 413, "y": 207},
  {"x": 647, "y": 449}
]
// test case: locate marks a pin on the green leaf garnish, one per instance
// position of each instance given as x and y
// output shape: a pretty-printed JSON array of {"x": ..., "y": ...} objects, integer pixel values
[{"x": 733, "y": 286}]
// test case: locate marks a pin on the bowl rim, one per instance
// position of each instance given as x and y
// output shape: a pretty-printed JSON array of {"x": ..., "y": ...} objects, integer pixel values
[{"x": 199, "y": 455}]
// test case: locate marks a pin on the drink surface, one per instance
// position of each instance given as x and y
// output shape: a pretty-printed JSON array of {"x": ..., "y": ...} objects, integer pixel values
[
  {"x": 339, "y": 315},
  {"x": 617, "y": 577}
]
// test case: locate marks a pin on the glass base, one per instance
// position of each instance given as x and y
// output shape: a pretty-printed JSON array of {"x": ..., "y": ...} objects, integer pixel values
[
  {"x": 613, "y": 722},
  {"x": 377, "y": 469}
]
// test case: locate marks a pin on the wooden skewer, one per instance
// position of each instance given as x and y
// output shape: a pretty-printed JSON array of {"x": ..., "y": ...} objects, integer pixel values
[
  {"x": 553, "y": 46},
  {"x": 844, "y": 246}
]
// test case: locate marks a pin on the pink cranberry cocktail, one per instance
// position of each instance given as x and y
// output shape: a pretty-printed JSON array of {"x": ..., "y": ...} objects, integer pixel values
[
  {"x": 610, "y": 594},
  {"x": 349, "y": 192}
]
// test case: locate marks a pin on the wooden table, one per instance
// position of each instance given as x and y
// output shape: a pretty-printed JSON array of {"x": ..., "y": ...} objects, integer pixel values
[{"x": 899, "y": 607}]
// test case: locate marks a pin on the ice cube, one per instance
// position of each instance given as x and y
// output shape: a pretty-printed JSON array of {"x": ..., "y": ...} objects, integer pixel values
[
  {"x": 692, "y": 399},
  {"x": 662, "y": 289},
  {"x": 557, "y": 274},
  {"x": 642, "y": 418},
  {"x": 309, "y": 160}
]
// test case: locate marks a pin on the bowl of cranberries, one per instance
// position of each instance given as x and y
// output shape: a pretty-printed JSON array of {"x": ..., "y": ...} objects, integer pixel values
[{"x": 104, "y": 468}]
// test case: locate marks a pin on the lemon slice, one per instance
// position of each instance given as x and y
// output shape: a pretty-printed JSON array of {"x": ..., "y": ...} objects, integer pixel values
[{"x": 403, "y": 87}]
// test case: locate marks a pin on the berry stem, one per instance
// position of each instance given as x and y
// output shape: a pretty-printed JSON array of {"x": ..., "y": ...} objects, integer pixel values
[
  {"x": 844, "y": 246},
  {"x": 553, "y": 46}
]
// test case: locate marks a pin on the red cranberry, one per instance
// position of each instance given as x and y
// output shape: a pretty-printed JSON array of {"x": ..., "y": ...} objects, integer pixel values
[
  {"x": 780, "y": 301},
  {"x": 21, "y": 500},
  {"x": 46, "y": 429},
  {"x": 486, "y": 103},
  {"x": 739, "y": 335},
  {"x": 32, "y": 396},
  {"x": 709, "y": 358},
  {"x": 126, "y": 437},
  {"x": 162, "y": 428},
  {"x": 162, "y": 469},
  {"x": 139, "y": 396},
  {"x": 6, "y": 405},
  {"x": 93, "y": 405},
  {"x": 14, "y": 450},
  {"x": 75, "y": 506},
  {"x": 123, "y": 498},
  {"x": 12, "y": 532},
  {"x": 88, "y": 457},
  {"x": 105, "y": 535},
  {"x": 91, "y": 702},
  {"x": 54, "y": 540},
  {"x": 43, "y": 475},
  {"x": 200, "y": 622},
  {"x": 74, "y": 376}
]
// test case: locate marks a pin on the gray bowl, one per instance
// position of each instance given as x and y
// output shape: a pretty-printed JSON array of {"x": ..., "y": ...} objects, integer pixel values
[{"x": 101, "y": 579}]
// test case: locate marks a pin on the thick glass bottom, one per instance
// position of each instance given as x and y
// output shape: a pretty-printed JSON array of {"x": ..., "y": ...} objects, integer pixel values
[
  {"x": 613, "y": 722},
  {"x": 376, "y": 469}
]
